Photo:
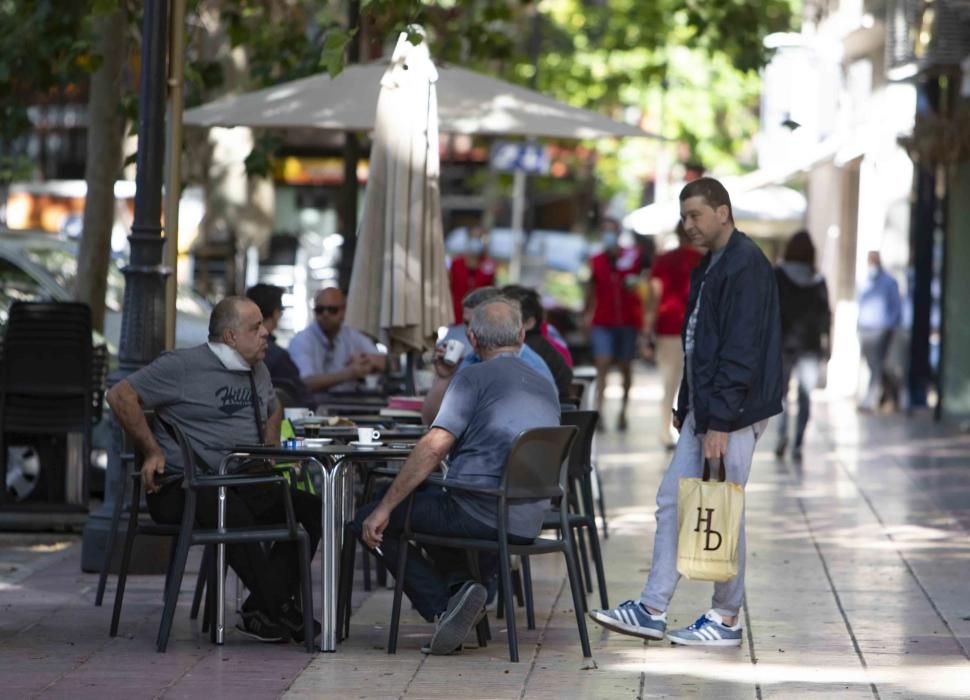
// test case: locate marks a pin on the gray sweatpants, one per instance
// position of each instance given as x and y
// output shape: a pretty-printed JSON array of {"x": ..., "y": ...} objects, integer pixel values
[{"x": 688, "y": 461}]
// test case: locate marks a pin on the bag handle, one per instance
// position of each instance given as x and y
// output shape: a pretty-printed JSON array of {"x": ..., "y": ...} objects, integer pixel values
[{"x": 722, "y": 472}]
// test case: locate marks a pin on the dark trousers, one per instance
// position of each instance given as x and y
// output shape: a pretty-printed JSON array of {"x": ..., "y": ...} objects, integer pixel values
[
  {"x": 272, "y": 578},
  {"x": 875, "y": 348},
  {"x": 431, "y": 575}
]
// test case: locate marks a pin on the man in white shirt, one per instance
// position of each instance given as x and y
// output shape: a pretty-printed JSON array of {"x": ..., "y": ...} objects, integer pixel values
[{"x": 330, "y": 355}]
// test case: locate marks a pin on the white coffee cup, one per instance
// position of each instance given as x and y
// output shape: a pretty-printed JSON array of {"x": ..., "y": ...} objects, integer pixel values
[
  {"x": 366, "y": 436},
  {"x": 297, "y": 413},
  {"x": 454, "y": 349},
  {"x": 372, "y": 380}
]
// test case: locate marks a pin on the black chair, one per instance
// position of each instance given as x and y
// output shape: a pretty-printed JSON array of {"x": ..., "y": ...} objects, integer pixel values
[
  {"x": 536, "y": 468},
  {"x": 580, "y": 515},
  {"x": 191, "y": 534},
  {"x": 130, "y": 470},
  {"x": 46, "y": 379}
]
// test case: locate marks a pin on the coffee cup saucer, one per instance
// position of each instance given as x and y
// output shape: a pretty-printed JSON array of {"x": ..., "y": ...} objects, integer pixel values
[{"x": 358, "y": 443}]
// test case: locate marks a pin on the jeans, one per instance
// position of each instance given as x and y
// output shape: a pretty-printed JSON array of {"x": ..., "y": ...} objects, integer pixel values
[
  {"x": 688, "y": 461},
  {"x": 429, "y": 580},
  {"x": 806, "y": 368},
  {"x": 272, "y": 578}
]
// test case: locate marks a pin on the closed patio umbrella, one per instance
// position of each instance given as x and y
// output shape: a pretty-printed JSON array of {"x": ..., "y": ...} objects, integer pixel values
[{"x": 399, "y": 286}]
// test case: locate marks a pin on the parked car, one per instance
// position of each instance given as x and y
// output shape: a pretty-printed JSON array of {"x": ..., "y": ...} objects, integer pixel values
[{"x": 39, "y": 266}]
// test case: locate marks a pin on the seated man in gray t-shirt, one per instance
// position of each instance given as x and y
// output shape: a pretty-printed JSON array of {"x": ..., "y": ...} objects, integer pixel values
[
  {"x": 219, "y": 394},
  {"x": 485, "y": 407}
]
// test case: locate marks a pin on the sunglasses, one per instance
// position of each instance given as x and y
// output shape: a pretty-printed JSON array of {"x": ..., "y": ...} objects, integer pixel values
[{"x": 327, "y": 309}]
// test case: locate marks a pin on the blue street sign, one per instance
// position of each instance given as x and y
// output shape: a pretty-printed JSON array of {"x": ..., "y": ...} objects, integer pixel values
[{"x": 508, "y": 156}]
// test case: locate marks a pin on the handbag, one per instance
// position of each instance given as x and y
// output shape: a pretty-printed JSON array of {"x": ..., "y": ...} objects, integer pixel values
[{"x": 709, "y": 526}]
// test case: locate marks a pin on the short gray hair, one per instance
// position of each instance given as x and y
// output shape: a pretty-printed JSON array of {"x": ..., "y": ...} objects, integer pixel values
[
  {"x": 225, "y": 316},
  {"x": 477, "y": 297},
  {"x": 497, "y": 324}
]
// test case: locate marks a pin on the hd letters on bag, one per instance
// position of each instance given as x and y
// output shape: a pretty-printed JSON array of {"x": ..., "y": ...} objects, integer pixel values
[{"x": 708, "y": 531}]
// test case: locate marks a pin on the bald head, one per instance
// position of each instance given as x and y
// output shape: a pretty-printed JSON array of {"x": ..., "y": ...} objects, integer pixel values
[
  {"x": 329, "y": 308},
  {"x": 238, "y": 323},
  {"x": 496, "y": 324},
  {"x": 225, "y": 316}
]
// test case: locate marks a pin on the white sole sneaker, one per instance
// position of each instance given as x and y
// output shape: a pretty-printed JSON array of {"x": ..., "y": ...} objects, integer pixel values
[
  {"x": 611, "y": 623},
  {"x": 705, "y": 642}
]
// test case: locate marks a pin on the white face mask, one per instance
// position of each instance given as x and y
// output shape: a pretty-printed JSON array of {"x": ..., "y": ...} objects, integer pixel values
[
  {"x": 873, "y": 272},
  {"x": 610, "y": 240},
  {"x": 474, "y": 247}
]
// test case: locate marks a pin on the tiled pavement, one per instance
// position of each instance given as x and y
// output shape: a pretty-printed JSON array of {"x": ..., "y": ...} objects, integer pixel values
[{"x": 859, "y": 562}]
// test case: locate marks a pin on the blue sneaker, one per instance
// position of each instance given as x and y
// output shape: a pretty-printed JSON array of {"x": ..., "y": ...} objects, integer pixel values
[
  {"x": 633, "y": 619},
  {"x": 708, "y": 631}
]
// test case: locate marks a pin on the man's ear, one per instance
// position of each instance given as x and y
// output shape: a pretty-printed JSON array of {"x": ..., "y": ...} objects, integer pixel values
[
  {"x": 521, "y": 335},
  {"x": 472, "y": 339}
]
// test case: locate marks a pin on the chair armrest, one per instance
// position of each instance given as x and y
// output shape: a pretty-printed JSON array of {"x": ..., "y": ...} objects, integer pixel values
[{"x": 454, "y": 485}]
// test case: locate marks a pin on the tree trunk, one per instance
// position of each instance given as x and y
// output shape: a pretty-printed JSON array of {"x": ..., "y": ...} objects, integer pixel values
[{"x": 104, "y": 161}]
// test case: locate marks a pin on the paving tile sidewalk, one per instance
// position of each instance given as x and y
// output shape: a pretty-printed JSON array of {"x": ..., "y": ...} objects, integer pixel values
[{"x": 858, "y": 566}]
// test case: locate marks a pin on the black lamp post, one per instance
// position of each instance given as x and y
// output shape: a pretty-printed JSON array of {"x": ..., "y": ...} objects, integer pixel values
[{"x": 143, "y": 319}]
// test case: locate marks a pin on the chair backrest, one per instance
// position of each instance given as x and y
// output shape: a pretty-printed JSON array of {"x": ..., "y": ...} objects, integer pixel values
[
  {"x": 47, "y": 368},
  {"x": 536, "y": 467},
  {"x": 185, "y": 450},
  {"x": 581, "y": 454}
]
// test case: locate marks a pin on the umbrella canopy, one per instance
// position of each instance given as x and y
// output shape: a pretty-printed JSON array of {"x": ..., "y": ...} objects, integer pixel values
[
  {"x": 471, "y": 103},
  {"x": 399, "y": 286}
]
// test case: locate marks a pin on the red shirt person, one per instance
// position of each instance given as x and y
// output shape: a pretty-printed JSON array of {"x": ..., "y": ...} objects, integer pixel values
[
  {"x": 469, "y": 272},
  {"x": 669, "y": 289},
  {"x": 614, "y": 312}
]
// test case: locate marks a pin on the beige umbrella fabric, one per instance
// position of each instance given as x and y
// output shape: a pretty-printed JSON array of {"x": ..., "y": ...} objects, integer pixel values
[
  {"x": 399, "y": 288},
  {"x": 471, "y": 103}
]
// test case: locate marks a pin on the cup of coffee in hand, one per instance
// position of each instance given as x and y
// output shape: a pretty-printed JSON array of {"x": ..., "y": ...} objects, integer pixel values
[{"x": 453, "y": 349}]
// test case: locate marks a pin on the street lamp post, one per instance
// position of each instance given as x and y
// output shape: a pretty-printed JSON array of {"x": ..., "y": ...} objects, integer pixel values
[{"x": 143, "y": 318}]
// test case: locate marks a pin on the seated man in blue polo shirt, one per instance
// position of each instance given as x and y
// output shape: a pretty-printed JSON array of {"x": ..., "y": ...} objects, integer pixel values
[
  {"x": 445, "y": 372},
  {"x": 485, "y": 408}
]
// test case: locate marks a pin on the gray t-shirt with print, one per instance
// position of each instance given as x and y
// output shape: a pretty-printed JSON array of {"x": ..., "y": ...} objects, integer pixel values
[
  {"x": 213, "y": 406},
  {"x": 485, "y": 407},
  {"x": 691, "y": 329}
]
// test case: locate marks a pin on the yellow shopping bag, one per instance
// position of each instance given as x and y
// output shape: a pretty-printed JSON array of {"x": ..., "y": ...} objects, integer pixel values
[{"x": 709, "y": 527}]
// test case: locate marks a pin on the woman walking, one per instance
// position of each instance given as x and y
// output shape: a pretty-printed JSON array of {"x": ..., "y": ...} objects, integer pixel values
[{"x": 805, "y": 331}]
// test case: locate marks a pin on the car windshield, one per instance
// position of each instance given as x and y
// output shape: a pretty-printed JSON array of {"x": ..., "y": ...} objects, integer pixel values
[{"x": 61, "y": 264}]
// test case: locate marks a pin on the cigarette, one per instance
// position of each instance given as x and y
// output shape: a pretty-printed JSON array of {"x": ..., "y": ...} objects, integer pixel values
[{"x": 378, "y": 550}]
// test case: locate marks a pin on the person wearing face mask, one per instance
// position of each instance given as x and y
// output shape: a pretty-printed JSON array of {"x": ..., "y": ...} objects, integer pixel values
[
  {"x": 614, "y": 312},
  {"x": 470, "y": 271},
  {"x": 880, "y": 310}
]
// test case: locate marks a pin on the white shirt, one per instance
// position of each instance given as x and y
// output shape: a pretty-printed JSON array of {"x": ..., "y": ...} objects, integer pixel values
[{"x": 314, "y": 353}]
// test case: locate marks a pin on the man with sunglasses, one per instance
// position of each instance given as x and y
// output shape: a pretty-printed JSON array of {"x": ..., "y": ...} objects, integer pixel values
[{"x": 330, "y": 355}]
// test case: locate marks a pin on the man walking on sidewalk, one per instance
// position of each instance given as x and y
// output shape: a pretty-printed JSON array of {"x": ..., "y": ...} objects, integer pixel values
[{"x": 732, "y": 384}]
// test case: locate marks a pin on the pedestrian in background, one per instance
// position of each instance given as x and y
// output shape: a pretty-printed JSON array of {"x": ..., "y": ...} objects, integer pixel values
[
  {"x": 806, "y": 330},
  {"x": 880, "y": 310},
  {"x": 470, "y": 271},
  {"x": 664, "y": 319},
  {"x": 613, "y": 313}
]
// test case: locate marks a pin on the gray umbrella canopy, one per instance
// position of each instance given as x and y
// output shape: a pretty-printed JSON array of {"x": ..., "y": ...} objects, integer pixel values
[
  {"x": 399, "y": 286},
  {"x": 471, "y": 103}
]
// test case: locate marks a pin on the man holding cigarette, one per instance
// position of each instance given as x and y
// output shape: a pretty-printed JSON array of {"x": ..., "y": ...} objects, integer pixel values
[{"x": 484, "y": 409}]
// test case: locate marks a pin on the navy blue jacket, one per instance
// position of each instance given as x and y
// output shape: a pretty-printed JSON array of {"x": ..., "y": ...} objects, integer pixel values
[{"x": 737, "y": 340}]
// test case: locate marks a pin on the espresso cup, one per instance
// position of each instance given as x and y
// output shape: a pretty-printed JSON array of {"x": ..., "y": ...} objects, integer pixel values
[
  {"x": 365, "y": 436},
  {"x": 372, "y": 380},
  {"x": 311, "y": 430}
]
